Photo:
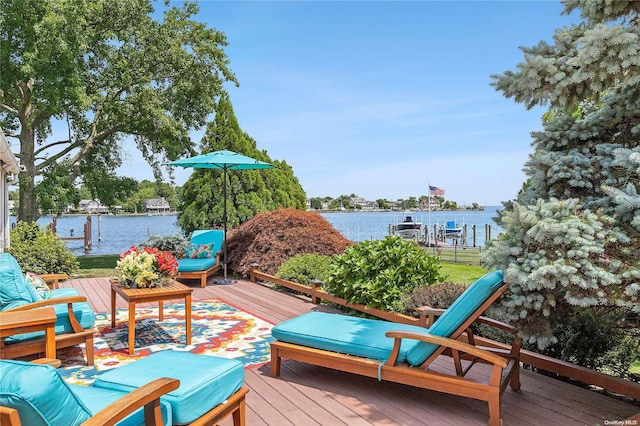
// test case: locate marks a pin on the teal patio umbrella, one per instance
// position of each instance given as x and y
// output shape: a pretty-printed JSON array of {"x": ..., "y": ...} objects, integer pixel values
[{"x": 225, "y": 160}]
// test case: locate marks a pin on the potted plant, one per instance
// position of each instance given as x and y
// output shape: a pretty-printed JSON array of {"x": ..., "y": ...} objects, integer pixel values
[{"x": 146, "y": 267}]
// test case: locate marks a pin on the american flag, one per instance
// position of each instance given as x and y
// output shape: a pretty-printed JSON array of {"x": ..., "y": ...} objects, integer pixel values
[{"x": 434, "y": 190}]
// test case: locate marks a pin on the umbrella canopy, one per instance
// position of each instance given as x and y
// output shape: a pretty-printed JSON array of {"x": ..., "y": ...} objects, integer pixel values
[
  {"x": 225, "y": 160},
  {"x": 228, "y": 160}
]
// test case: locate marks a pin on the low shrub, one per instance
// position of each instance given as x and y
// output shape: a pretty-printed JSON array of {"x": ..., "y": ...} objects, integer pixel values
[
  {"x": 602, "y": 338},
  {"x": 437, "y": 296},
  {"x": 271, "y": 238},
  {"x": 381, "y": 273},
  {"x": 305, "y": 267},
  {"x": 40, "y": 250},
  {"x": 175, "y": 244}
]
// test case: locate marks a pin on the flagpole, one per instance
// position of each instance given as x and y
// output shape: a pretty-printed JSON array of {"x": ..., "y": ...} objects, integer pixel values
[{"x": 429, "y": 214}]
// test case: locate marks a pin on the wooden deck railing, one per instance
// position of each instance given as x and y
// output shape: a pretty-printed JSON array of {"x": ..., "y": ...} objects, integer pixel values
[{"x": 543, "y": 362}]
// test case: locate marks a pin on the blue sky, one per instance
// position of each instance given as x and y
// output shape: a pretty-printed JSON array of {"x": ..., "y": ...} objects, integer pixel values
[{"x": 380, "y": 98}]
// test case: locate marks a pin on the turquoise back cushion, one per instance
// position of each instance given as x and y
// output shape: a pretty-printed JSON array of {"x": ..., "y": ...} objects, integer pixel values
[
  {"x": 463, "y": 307},
  {"x": 40, "y": 395},
  {"x": 208, "y": 236},
  {"x": 14, "y": 291}
]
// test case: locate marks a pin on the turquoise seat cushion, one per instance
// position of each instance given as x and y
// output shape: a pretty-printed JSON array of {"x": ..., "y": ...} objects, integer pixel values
[
  {"x": 14, "y": 291},
  {"x": 461, "y": 309},
  {"x": 196, "y": 265},
  {"x": 40, "y": 395},
  {"x": 345, "y": 334},
  {"x": 82, "y": 311},
  {"x": 95, "y": 399},
  {"x": 205, "y": 381}
]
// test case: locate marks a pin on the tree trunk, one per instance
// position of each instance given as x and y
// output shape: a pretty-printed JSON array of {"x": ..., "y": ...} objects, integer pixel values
[{"x": 27, "y": 210}]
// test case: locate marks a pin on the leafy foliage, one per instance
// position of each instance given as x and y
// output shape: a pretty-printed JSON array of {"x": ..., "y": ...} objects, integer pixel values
[
  {"x": 40, "y": 251},
  {"x": 570, "y": 241},
  {"x": 271, "y": 238},
  {"x": 249, "y": 192},
  {"x": 175, "y": 244},
  {"x": 304, "y": 268},
  {"x": 379, "y": 273},
  {"x": 110, "y": 69}
]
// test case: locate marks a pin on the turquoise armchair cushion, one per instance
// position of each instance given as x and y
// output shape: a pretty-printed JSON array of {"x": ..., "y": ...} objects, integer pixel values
[
  {"x": 205, "y": 381},
  {"x": 40, "y": 395},
  {"x": 95, "y": 399},
  {"x": 43, "y": 398},
  {"x": 14, "y": 291},
  {"x": 82, "y": 310},
  {"x": 465, "y": 305},
  {"x": 345, "y": 334}
]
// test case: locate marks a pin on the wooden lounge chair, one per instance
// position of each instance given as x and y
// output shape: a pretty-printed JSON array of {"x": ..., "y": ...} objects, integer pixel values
[
  {"x": 404, "y": 353},
  {"x": 202, "y": 267},
  {"x": 75, "y": 318}
]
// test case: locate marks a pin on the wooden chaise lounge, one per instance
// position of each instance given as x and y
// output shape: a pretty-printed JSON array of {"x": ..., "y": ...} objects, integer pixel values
[
  {"x": 404, "y": 353},
  {"x": 203, "y": 267}
]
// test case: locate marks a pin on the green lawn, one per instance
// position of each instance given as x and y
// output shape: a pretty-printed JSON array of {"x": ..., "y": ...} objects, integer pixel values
[
  {"x": 96, "y": 266},
  {"x": 460, "y": 273}
]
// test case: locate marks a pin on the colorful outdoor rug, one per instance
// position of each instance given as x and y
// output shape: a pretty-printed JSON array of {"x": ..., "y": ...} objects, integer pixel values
[{"x": 218, "y": 329}]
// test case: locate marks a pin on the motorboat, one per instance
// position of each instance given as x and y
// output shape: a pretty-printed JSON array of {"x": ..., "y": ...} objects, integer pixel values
[
  {"x": 451, "y": 230},
  {"x": 408, "y": 228}
]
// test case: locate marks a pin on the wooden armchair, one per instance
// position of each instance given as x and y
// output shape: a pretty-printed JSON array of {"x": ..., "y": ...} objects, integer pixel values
[
  {"x": 36, "y": 342},
  {"x": 74, "y": 316},
  {"x": 405, "y": 353},
  {"x": 22, "y": 399}
]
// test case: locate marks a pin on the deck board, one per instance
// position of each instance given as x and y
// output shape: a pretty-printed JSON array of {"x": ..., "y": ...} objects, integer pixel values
[{"x": 310, "y": 395}]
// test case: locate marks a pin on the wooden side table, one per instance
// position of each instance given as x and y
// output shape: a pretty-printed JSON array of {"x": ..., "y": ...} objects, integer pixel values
[
  {"x": 18, "y": 322},
  {"x": 133, "y": 296}
]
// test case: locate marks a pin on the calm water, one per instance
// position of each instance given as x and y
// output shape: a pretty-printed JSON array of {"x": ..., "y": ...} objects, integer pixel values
[
  {"x": 375, "y": 225},
  {"x": 118, "y": 233}
]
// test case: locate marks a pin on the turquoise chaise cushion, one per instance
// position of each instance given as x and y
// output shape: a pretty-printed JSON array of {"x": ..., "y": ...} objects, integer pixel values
[
  {"x": 195, "y": 265},
  {"x": 206, "y": 236},
  {"x": 345, "y": 334},
  {"x": 366, "y": 337},
  {"x": 205, "y": 381},
  {"x": 203, "y": 236},
  {"x": 43, "y": 398},
  {"x": 459, "y": 311}
]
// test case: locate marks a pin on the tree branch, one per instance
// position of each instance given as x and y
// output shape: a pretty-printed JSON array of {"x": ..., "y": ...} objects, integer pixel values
[{"x": 45, "y": 147}]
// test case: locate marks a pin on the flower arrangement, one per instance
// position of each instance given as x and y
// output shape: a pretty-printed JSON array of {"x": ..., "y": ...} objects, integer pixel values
[{"x": 146, "y": 267}]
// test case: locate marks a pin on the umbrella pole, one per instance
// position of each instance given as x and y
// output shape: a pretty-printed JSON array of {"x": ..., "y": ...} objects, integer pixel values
[{"x": 225, "y": 280}]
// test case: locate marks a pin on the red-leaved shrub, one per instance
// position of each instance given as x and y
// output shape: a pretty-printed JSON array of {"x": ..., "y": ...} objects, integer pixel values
[{"x": 271, "y": 238}]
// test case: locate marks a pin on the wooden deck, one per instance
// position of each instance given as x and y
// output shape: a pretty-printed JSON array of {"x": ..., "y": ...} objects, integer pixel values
[{"x": 308, "y": 395}]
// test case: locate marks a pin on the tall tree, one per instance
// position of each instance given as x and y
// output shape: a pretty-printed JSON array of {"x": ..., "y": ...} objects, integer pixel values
[
  {"x": 249, "y": 192},
  {"x": 570, "y": 244},
  {"x": 109, "y": 69}
]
